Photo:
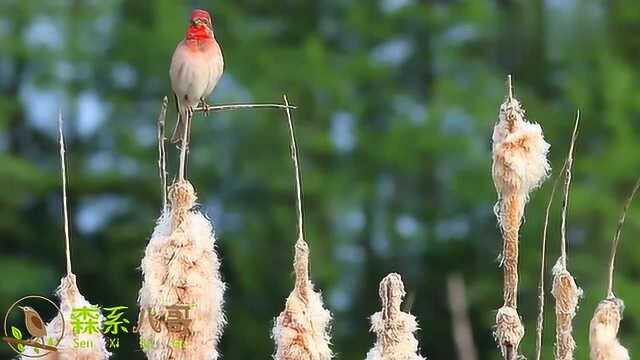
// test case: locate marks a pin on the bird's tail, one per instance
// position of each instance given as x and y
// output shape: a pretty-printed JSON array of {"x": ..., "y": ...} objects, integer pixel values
[{"x": 181, "y": 124}]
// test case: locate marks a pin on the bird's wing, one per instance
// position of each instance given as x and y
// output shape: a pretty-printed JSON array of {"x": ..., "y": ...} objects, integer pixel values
[{"x": 37, "y": 323}]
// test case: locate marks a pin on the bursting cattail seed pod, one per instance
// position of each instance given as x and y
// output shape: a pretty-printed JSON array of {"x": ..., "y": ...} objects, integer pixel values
[
  {"x": 68, "y": 349},
  {"x": 394, "y": 329},
  {"x": 509, "y": 331},
  {"x": 603, "y": 331},
  {"x": 302, "y": 330},
  {"x": 181, "y": 268},
  {"x": 519, "y": 166},
  {"x": 566, "y": 293}
]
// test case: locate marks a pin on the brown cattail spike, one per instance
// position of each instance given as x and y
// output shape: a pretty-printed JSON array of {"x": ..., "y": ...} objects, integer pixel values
[
  {"x": 519, "y": 166},
  {"x": 394, "y": 328}
]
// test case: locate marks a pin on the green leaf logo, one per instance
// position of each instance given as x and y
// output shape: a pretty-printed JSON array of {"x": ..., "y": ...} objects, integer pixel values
[{"x": 16, "y": 333}]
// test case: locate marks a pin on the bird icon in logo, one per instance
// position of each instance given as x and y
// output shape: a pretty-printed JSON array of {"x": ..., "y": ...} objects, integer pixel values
[{"x": 34, "y": 324}]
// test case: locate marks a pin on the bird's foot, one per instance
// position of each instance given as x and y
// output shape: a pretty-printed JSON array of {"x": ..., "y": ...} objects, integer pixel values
[{"x": 204, "y": 106}]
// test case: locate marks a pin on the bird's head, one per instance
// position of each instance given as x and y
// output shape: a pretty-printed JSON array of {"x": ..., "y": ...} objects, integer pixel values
[
  {"x": 27, "y": 309},
  {"x": 200, "y": 25}
]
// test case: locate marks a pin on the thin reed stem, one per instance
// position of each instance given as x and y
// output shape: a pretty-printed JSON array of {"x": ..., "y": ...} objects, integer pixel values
[
  {"x": 296, "y": 166},
  {"x": 185, "y": 146},
  {"x": 540, "y": 320},
  {"x": 162, "y": 156},
  {"x": 206, "y": 108},
  {"x": 616, "y": 239},
  {"x": 228, "y": 107},
  {"x": 565, "y": 201},
  {"x": 65, "y": 211}
]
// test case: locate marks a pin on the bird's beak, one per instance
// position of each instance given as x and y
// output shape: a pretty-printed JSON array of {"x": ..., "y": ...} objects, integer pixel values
[{"x": 21, "y": 308}]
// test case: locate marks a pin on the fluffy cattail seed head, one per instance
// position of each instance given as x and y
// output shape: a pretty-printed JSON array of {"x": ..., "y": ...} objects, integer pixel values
[
  {"x": 70, "y": 299},
  {"x": 181, "y": 278},
  {"x": 519, "y": 151},
  {"x": 509, "y": 331},
  {"x": 603, "y": 331},
  {"x": 566, "y": 294},
  {"x": 301, "y": 331},
  {"x": 394, "y": 328}
]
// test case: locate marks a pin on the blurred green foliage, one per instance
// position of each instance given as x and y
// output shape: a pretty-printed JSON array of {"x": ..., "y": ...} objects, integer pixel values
[{"x": 397, "y": 99}]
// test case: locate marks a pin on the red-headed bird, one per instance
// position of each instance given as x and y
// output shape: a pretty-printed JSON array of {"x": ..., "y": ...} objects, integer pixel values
[{"x": 196, "y": 67}]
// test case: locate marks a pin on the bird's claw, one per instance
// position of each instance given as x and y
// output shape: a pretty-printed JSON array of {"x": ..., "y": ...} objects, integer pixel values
[{"x": 204, "y": 106}]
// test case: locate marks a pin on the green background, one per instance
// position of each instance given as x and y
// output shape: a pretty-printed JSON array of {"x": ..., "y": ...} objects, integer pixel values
[{"x": 397, "y": 100}]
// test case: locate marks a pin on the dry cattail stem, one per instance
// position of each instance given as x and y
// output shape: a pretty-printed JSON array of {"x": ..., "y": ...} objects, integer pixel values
[
  {"x": 604, "y": 326},
  {"x": 206, "y": 108},
  {"x": 543, "y": 251},
  {"x": 519, "y": 166},
  {"x": 181, "y": 268},
  {"x": 565, "y": 291},
  {"x": 603, "y": 331},
  {"x": 162, "y": 156},
  {"x": 70, "y": 298},
  {"x": 394, "y": 329},
  {"x": 301, "y": 331},
  {"x": 228, "y": 107},
  {"x": 616, "y": 238}
]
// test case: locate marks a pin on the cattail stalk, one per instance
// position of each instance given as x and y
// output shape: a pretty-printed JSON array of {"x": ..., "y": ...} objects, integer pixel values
[
  {"x": 565, "y": 291},
  {"x": 301, "y": 331},
  {"x": 206, "y": 108},
  {"x": 162, "y": 155},
  {"x": 519, "y": 166},
  {"x": 543, "y": 250},
  {"x": 394, "y": 329},
  {"x": 70, "y": 298},
  {"x": 603, "y": 330}
]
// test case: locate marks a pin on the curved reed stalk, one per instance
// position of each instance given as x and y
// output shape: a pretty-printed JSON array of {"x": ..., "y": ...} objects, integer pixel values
[
  {"x": 301, "y": 331},
  {"x": 603, "y": 330}
]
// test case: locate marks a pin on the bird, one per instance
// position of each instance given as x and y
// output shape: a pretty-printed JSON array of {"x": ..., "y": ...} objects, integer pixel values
[
  {"x": 33, "y": 322},
  {"x": 196, "y": 67}
]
